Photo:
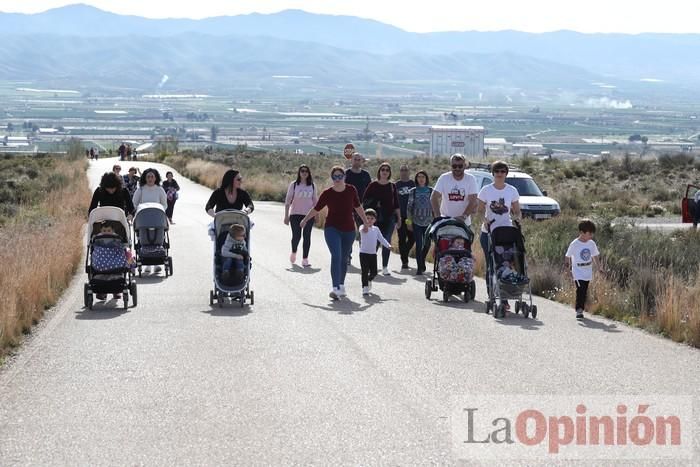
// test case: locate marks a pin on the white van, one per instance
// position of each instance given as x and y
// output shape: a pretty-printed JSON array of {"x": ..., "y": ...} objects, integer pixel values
[{"x": 534, "y": 202}]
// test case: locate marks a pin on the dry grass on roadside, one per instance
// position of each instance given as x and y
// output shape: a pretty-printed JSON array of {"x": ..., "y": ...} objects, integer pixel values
[{"x": 46, "y": 248}]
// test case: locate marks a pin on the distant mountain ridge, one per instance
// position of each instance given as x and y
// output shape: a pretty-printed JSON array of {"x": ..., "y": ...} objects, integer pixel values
[
  {"x": 203, "y": 62},
  {"x": 666, "y": 57}
]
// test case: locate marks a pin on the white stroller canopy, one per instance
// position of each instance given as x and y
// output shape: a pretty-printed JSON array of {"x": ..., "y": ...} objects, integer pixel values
[{"x": 108, "y": 213}]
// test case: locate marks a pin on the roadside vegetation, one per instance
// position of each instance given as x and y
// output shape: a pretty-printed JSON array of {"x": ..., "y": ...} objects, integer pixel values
[
  {"x": 43, "y": 201},
  {"x": 649, "y": 279}
]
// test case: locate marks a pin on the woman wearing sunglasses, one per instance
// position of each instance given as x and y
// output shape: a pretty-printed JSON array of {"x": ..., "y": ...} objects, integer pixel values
[
  {"x": 301, "y": 198},
  {"x": 382, "y": 196},
  {"x": 339, "y": 231},
  {"x": 499, "y": 202},
  {"x": 229, "y": 195}
]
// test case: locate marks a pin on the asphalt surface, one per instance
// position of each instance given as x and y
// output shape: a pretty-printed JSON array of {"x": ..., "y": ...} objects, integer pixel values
[{"x": 296, "y": 378}]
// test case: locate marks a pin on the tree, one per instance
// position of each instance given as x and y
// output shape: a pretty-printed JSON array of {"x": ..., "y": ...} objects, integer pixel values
[{"x": 635, "y": 138}]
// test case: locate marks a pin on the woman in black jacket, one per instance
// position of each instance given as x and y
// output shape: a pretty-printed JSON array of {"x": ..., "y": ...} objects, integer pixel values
[
  {"x": 229, "y": 195},
  {"x": 111, "y": 192}
]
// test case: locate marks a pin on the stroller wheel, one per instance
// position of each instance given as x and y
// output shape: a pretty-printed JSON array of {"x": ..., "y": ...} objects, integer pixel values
[
  {"x": 211, "y": 298},
  {"x": 86, "y": 294},
  {"x": 126, "y": 300},
  {"x": 500, "y": 311},
  {"x": 428, "y": 288},
  {"x": 252, "y": 298},
  {"x": 472, "y": 289},
  {"x": 534, "y": 311},
  {"x": 526, "y": 310},
  {"x": 445, "y": 296},
  {"x": 139, "y": 270},
  {"x": 518, "y": 307},
  {"x": 170, "y": 265},
  {"x": 488, "y": 306},
  {"x": 220, "y": 300}
]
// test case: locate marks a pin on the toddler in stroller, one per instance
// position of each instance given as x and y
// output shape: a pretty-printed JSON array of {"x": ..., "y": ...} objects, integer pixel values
[
  {"x": 453, "y": 264},
  {"x": 235, "y": 251},
  {"x": 109, "y": 262},
  {"x": 230, "y": 236},
  {"x": 508, "y": 280}
]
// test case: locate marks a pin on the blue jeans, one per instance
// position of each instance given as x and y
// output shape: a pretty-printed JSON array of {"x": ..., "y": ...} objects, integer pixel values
[
  {"x": 418, "y": 234},
  {"x": 387, "y": 229},
  {"x": 339, "y": 244},
  {"x": 233, "y": 264}
]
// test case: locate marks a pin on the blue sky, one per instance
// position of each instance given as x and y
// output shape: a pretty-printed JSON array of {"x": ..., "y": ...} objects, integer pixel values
[{"x": 627, "y": 16}]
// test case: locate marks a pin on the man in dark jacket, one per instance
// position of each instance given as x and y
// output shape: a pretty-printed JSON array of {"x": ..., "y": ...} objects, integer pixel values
[{"x": 360, "y": 179}]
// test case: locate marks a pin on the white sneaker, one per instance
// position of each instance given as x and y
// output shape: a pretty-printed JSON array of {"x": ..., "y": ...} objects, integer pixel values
[
  {"x": 341, "y": 291},
  {"x": 334, "y": 293},
  {"x": 385, "y": 272},
  {"x": 365, "y": 290}
]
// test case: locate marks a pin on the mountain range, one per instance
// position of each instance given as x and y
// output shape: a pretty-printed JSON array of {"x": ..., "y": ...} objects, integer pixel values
[{"x": 62, "y": 43}]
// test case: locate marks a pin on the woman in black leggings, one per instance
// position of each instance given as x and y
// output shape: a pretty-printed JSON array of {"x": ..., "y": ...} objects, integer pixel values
[{"x": 301, "y": 197}]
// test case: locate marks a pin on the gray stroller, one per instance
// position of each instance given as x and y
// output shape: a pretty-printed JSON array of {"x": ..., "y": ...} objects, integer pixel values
[
  {"x": 224, "y": 291},
  {"x": 152, "y": 238}
]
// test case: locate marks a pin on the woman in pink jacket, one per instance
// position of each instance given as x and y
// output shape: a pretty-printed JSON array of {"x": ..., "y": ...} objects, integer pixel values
[{"x": 301, "y": 197}]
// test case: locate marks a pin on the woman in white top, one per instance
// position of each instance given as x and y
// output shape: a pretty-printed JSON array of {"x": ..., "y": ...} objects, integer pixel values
[
  {"x": 149, "y": 190},
  {"x": 499, "y": 202}
]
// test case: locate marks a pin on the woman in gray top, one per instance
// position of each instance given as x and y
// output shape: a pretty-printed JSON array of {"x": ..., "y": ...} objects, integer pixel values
[{"x": 420, "y": 214}]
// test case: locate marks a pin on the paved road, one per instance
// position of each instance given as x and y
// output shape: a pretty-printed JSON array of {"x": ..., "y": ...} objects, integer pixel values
[{"x": 295, "y": 378}]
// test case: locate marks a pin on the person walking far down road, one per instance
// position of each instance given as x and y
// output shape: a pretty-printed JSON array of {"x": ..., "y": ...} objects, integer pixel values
[
  {"x": 420, "y": 214},
  {"x": 454, "y": 194},
  {"x": 581, "y": 256},
  {"x": 339, "y": 231},
  {"x": 381, "y": 195},
  {"x": 406, "y": 240},
  {"x": 500, "y": 204},
  {"x": 301, "y": 198},
  {"x": 122, "y": 152},
  {"x": 111, "y": 193},
  {"x": 92, "y": 153},
  {"x": 229, "y": 195},
  {"x": 360, "y": 179},
  {"x": 368, "y": 250},
  {"x": 171, "y": 193},
  {"x": 131, "y": 180}
]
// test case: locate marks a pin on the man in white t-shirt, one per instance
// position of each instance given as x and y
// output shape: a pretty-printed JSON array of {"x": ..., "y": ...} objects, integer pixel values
[
  {"x": 454, "y": 194},
  {"x": 581, "y": 256}
]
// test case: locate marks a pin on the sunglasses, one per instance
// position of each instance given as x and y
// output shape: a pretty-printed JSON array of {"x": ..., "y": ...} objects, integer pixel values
[
  {"x": 338, "y": 176},
  {"x": 457, "y": 166}
]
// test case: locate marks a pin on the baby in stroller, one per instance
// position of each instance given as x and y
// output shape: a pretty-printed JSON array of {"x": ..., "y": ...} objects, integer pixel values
[
  {"x": 506, "y": 269},
  {"x": 453, "y": 270},
  {"x": 235, "y": 251},
  {"x": 109, "y": 257}
]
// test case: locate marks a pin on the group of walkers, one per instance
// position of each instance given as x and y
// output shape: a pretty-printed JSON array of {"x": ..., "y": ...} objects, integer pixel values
[
  {"x": 126, "y": 153},
  {"x": 372, "y": 210}
]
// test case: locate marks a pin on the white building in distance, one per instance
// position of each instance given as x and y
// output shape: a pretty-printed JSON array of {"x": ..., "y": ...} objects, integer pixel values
[{"x": 446, "y": 140}]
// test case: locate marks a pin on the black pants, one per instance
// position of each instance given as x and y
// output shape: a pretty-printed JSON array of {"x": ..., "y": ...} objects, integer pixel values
[
  {"x": 406, "y": 241},
  {"x": 170, "y": 208},
  {"x": 294, "y": 222},
  {"x": 581, "y": 294},
  {"x": 368, "y": 263}
]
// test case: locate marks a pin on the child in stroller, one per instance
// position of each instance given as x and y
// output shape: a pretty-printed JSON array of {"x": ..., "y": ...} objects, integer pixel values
[
  {"x": 236, "y": 253},
  {"x": 453, "y": 265}
]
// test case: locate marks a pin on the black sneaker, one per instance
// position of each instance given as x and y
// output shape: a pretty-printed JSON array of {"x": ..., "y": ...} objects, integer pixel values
[
  {"x": 579, "y": 314},
  {"x": 405, "y": 266}
]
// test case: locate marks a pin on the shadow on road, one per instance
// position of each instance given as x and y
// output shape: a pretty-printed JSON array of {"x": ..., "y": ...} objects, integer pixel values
[
  {"x": 389, "y": 279},
  {"x": 512, "y": 319},
  {"x": 591, "y": 324},
  {"x": 233, "y": 310},
  {"x": 346, "y": 306},
  {"x": 302, "y": 270},
  {"x": 150, "y": 279},
  {"x": 456, "y": 302},
  {"x": 109, "y": 309}
]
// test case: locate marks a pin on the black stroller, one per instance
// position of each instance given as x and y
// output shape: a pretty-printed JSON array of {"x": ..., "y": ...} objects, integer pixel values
[
  {"x": 152, "y": 238},
  {"x": 106, "y": 263},
  {"x": 453, "y": 270},
  {"x": 508, "y": 279}
]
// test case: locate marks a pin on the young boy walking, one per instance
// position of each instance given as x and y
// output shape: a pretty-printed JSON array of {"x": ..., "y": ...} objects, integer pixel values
[
  {"x": 368, "y": 250},
  {"x": 581, "y": 256}
]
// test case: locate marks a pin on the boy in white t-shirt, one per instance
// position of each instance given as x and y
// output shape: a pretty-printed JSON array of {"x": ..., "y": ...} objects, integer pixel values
[
  {"x": 581, "y": 256},
  {"x": 368, "y": 250}
]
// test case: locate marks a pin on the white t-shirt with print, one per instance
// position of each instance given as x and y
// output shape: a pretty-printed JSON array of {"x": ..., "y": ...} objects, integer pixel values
[
  {"x": 581, "y": 254},
  {"x": 498, "y": 205},
  {"x": 455, "y": 194}
]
